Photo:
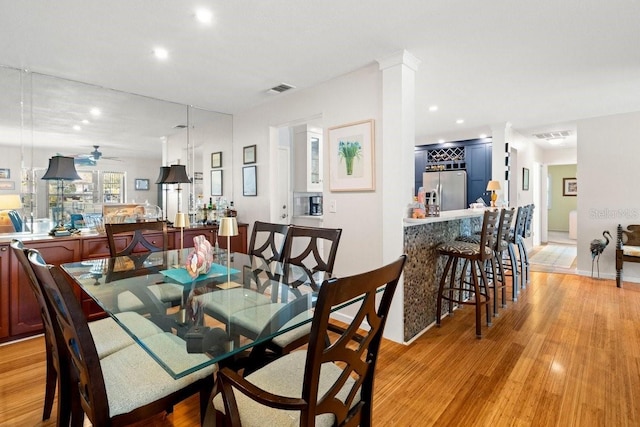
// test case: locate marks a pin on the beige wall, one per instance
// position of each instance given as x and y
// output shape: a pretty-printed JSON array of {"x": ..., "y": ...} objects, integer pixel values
[{"x": 558, "y": 212}]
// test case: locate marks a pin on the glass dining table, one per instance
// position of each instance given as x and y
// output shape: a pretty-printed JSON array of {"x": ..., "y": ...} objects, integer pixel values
[{"x": 212, "y": 317}]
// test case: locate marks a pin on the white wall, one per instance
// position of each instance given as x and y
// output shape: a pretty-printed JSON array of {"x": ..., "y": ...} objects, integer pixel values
[
  {"x": 350, "y": 98},
  {"x": 607, "y": 158}
]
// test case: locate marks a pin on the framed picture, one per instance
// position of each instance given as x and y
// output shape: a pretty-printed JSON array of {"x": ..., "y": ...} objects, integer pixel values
[
  {"x": 216, "y": 183},
  {"x": 525, "y": 179},
  {"x": 216, "y": 160},
  {"x": 142, "y": 184},
  {"x": 7, "y": 185},
  {"x": 351, "y": 157},
  {"x": 5, "y": 173},
  {"x": 569, "y": 187},
  {"x": 249, "y": 154},
  {"x": 249, "y": 182}
]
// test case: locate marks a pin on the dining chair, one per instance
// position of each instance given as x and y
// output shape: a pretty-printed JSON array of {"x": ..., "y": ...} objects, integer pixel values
[
  {"x": 124, "y": 387},
  {"x": 265, "y": 246},
  {"x": 324, "y": 385},
  {"x": 309, "y": 257},
  {"x": 138, "y": 240},
  {"x": 168, "y": 293},
  {"x": 109, "y": 337}
]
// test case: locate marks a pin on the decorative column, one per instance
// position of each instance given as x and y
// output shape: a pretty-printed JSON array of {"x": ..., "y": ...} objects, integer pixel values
[{"x": 397, "y": 166}]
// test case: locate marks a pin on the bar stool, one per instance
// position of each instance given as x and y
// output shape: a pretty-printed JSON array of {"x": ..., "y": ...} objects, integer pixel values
[
  {"x": 527, "y": 233},
  {"x": 514, "y": 244},
  {"x": 477, "y": 255},
  {"x": 497, "y": 271}
]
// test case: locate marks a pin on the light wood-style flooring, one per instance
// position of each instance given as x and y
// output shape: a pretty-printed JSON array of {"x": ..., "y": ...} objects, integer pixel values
[{"x": 566, "y": 354}]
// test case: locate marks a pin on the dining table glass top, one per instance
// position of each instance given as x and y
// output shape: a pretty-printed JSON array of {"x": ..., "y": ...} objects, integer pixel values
[{"x": 203, "y": 319}]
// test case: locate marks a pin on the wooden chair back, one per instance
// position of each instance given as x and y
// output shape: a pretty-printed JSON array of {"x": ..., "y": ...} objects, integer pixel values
[
  {"x": 137, "y": 228},
  {"x": 56, "y": 357},
  {"x": 74, "y": 338},
  {"x": 303, "y": 249},
  {"x": 520, "y": 222},
  {"x": 354, "y": 350},
  {"x": 268, "y": 240}
]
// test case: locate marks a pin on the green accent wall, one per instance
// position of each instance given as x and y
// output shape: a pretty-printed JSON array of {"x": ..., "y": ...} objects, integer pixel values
[{"x": 558, "y": 214}]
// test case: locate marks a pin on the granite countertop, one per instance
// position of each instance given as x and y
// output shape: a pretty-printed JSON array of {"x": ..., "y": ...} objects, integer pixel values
[{"x": 445, "y": 216}]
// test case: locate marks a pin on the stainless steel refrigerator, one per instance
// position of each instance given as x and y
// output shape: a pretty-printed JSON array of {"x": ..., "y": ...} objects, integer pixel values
[{"x": 450, "y": 186}]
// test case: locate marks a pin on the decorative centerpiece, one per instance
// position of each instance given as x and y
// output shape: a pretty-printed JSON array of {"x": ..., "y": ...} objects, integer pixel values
[{"x": 200, "y": 259}]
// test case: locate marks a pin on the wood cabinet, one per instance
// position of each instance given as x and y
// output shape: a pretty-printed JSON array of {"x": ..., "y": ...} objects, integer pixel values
[
  {"x": 4, "y": 291},
  {"x": 478, "y": 158},
  {"x": 307, "y": 146},
  {"x": 25, "y": 311}
]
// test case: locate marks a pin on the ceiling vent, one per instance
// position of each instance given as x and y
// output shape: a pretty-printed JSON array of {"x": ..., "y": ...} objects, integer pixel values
[
  {"x": 561, "y": 134},
  {"x": 282, "y": 87}
]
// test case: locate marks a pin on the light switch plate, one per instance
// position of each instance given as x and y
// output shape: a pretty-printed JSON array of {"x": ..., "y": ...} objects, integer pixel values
[{"x": 333, "y": 206}]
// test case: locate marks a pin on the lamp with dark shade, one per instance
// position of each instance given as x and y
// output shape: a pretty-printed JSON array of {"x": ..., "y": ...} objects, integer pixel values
[
  {"x": 178, "y": 175},
  {"x": 162, "y": 180},
  {"x": 62, "y": 169}
]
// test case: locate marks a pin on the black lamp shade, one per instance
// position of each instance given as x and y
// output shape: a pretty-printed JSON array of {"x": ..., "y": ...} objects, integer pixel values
[
  {"x": 164, "y": 173},
  {"x": 177, "y": 175},
  {"x": 61, "y": 167}
]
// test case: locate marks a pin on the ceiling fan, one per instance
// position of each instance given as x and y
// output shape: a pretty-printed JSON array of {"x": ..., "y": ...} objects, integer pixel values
[{"x": 92, "y": 158}]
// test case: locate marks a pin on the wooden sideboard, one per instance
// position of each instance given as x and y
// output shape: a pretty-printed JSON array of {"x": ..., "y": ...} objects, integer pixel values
[{"x": 19, "y": 310}]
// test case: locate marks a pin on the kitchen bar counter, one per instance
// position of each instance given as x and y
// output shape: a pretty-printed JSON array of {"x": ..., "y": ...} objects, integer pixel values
[{"x": 424, "y": 265}]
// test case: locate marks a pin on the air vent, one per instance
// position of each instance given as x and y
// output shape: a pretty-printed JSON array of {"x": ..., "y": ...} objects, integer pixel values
[
  {"x": 561, "y": 134},
  {"x": 282, "y": 87}
]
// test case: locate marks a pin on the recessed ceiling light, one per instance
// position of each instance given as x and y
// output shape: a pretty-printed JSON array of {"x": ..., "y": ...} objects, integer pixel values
[
  {"x": 95, "y": 112},
  {"x": 85, "y": 122},
  {"x": 441, "y": 141},
  {"x": 76, "y": 127},
  {"x": 555, "y": 141},
  {"x": 161, "y": 53},
  {"x": 203, "y": 15},
  {"x": 460, "y": 121},
  {"x": 433, "y": 108},
  {"x": 483, "y": 135}
]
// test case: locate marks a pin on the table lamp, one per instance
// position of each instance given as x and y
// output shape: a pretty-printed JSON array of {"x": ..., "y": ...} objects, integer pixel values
[
  {"x": 228, "y": 227},
  {"x": 181, "y": 221},
  {"x": 493, "y": 186},
  {"x": 178, "y": 175},
  {"x": 62, "y": 169}
]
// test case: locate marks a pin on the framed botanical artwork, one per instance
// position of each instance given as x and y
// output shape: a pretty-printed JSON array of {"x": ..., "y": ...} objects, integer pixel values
[
  {"x": 142, "y": 184},
  {"x": 216, "y": 160},
  {"x": 249, "y": 154},
  {"x": 249, "y": 181},
  {"x": 525, "y": 179},
  {"x": 569, "y": 187},
  {"x": 351, "y": 157},
  {"x": 216, "y": 183}
]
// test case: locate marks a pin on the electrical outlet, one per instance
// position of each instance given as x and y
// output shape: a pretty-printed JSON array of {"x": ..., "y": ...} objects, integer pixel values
[{"x": 333, "y": 206}]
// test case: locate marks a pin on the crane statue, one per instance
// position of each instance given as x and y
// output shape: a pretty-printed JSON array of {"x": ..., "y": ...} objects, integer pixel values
[{"x": 597, "y": 247}]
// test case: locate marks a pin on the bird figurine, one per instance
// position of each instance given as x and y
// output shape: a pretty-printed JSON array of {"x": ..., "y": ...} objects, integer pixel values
[{"x": 597, "y": 247}]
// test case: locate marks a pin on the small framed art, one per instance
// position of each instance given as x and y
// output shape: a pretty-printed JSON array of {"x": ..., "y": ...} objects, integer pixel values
[
  {"x": 142, "y": 184},
  {"x": 216, "y": 183},
  {"x": 249, "y": 181},
  {"x": 249, "y": 154},
  {"x": 216, "y": 160}
]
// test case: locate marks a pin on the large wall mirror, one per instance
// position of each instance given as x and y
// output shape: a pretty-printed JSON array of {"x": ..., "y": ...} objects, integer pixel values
[{"x": 119, "y": 141}]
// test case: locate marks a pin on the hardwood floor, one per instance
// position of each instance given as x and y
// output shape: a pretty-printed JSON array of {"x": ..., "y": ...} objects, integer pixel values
[{"x": 566, "y": 354}]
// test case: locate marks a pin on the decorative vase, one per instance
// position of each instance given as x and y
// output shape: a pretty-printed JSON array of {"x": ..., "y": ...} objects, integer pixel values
[{"x": 349, "y": 161}]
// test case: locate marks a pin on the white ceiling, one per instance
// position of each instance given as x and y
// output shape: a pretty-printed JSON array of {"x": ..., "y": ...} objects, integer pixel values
[{"x": 532, "y": 63}]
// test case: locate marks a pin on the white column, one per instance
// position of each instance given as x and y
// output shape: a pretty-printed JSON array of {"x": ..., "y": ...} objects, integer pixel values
[
  {"x": 501, "y": 135},
  {"x": 397, "y": 166}
]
